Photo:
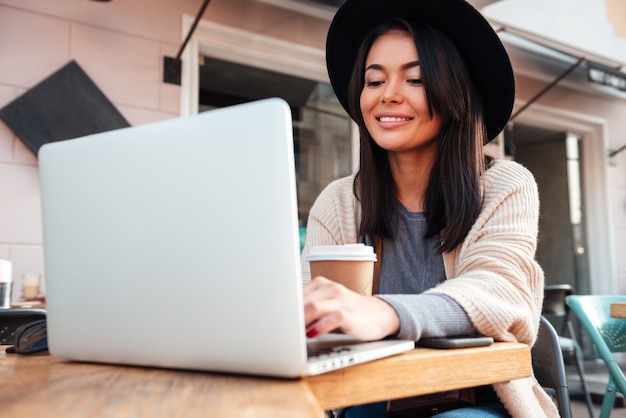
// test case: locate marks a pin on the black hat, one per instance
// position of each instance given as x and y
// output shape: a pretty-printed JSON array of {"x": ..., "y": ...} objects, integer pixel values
[{"x": 478, "y": 44}]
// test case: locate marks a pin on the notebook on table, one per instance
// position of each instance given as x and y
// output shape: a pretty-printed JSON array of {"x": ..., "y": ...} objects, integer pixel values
[{"x": 175, "y": 244}]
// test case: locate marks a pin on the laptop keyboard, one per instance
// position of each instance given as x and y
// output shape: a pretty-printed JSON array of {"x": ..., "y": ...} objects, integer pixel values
[{"x": 327, "y": 352}]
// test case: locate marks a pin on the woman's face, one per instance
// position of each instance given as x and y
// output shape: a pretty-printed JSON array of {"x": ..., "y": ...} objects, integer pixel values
[{"x": 393, "y": 101}]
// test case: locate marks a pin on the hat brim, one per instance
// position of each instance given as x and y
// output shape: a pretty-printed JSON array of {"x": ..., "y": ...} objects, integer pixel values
[{"x": 485, "y": 56}]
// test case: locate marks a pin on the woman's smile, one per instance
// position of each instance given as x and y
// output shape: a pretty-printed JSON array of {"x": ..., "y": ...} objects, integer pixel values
[{"x": 392, "y": 120}]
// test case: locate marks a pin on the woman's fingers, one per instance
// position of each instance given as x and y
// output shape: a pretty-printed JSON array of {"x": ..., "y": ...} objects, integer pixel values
[
  {"x": 325, "y": 324},
  {"x": 321, "y": 297},
  {"x": 329, "y": 306}
]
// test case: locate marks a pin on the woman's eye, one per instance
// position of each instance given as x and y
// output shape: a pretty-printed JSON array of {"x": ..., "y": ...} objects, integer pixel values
[
  {"x": 373, "y": 83},
  {"x": 415, "y": 81}
]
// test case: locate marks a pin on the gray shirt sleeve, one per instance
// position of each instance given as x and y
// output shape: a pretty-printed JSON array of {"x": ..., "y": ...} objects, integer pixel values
[
  {"x": 429, "y": 315},
  {"x": 411, "y": 265}
]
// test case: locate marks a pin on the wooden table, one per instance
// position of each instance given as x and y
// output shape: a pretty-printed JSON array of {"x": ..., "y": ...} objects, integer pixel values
[
  {"x": 41, "y": 385},
  {"x": 421, "y": 371},
  {"x": 618, "y": 310}
]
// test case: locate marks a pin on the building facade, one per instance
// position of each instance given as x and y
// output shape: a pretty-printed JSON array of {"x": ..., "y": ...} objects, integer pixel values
[{"x": 567, "y": 129}]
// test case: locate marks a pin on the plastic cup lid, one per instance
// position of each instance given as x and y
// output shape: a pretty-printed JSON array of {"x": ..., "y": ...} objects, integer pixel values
[
  {"x": 5, "y": 271},
  {"x": 348, "y": 252}
]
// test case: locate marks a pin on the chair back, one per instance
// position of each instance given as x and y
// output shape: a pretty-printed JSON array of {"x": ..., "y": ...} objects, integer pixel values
[
  {"x": 594, "y": 312},
  {"x": 554, "y": 299},
  {"x": 608, "y": 336},
  {"x": 548, "y": 366},
  {"x": 556, "y": 310}
]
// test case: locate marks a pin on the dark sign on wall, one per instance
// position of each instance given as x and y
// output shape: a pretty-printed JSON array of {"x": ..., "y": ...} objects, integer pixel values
[
  {"x": 66, "y": 105},
  {"x": 607, "y": 76}
]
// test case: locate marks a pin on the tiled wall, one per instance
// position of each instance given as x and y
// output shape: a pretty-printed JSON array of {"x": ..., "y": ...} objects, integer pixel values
[
  {"x": 125, "y": 66},
  {"x": 120, "y": 45}
]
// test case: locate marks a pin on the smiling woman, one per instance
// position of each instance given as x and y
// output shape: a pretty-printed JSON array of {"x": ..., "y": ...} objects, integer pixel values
[
  {"x": 428, "y": 84},
  {"x": 439, "y": 97}
]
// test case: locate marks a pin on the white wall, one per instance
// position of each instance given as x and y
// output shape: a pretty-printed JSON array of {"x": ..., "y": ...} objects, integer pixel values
[
  {"x": 582, "y": 28},
  {"x": 618, "y": 203}
]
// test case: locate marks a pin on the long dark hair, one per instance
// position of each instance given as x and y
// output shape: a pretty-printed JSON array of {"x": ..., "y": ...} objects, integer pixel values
[{"x": 453, "y": 196}]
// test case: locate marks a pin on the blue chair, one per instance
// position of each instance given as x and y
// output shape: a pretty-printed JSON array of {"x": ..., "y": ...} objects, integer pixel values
[
  {"x": 608, "y": 336},
  {"x": 302, "y": 231}
]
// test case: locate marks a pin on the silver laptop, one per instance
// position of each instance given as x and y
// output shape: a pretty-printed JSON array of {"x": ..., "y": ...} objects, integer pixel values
[{"x": 175, "y": 244}]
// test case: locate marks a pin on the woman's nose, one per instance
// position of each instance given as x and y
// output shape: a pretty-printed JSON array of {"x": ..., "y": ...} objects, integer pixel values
[{"x": 391, "y": 93}]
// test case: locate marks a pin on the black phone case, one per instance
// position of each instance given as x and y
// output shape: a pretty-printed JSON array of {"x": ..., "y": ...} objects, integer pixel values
[{"x": 455, "y": 342}]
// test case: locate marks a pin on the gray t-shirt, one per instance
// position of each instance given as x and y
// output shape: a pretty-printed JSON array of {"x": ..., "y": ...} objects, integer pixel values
[{"x": 409, "y": 266}]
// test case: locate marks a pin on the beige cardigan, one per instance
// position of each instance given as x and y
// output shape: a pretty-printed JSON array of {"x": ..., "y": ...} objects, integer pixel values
[{"x": 492, "y": 275}]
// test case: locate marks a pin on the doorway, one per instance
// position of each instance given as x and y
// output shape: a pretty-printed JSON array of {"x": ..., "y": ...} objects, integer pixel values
[{"x": 555, "y": 159}]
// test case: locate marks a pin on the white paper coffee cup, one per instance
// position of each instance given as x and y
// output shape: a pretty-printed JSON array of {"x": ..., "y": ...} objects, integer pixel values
[
  {"x": 6, "y": 283},
  {"x": 6, "y": 271},
  {"x": 352, "y": 265}
]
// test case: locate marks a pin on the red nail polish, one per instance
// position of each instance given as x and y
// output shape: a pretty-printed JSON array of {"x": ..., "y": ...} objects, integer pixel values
[{"x": 312, "y": 332}]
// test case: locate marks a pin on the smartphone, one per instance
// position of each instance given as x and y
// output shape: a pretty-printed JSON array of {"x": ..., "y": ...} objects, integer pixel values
[{"x": 455, "y": 342}]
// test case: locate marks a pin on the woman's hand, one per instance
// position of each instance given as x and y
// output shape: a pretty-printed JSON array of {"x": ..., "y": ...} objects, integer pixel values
[{"x": 329, "y": 306}]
